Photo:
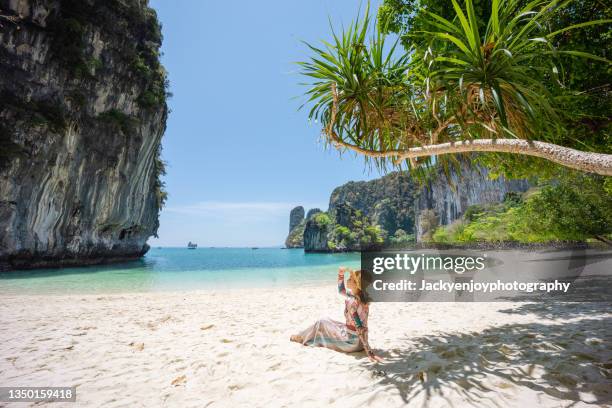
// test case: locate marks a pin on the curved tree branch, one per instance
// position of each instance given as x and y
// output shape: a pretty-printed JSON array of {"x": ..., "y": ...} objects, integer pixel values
[{"x": 599, "y": 163}]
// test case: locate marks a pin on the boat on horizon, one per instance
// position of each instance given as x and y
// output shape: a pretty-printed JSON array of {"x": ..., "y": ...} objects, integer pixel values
[{"x": 192, "y": 245}]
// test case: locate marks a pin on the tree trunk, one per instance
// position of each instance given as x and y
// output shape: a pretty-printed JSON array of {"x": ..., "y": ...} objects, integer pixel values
[
  {"x": 603, "y": 239},
  {"x": 599, "y": 163}
]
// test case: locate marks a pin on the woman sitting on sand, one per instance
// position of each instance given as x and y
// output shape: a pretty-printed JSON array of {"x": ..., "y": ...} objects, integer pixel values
[{"x": 350, "y": 336}]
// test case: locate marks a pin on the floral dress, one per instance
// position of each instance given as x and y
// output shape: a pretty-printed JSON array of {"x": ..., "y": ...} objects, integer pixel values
[{"x": 349, "y": 336}]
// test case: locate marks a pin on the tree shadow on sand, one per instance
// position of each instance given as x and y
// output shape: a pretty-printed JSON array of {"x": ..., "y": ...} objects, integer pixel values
[
  {"x": 561, "y": 310},
  {"x": 568, "y": 361}
]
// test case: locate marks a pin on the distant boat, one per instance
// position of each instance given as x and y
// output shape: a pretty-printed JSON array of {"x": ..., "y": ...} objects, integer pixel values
[
  {"x": 254, "y": 248},
  {"x": 192, "y": 245}
]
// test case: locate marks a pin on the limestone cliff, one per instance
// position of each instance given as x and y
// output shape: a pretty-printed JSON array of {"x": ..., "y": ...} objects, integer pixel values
[
  {"x": 311, "y": 213},
  {"x": 443, "y": 199},
  {"x": 295, "y": 239},
  {"x": 296, "y": 228},
  {"x": 316, "y": 233},
  {"x": 387, "y": 201},
  {"x": 82, "y": 114},
  {"x": 363, "y": 215},
  {"x": 296, "y": 216},
  {"x": 396, "y": 210}
]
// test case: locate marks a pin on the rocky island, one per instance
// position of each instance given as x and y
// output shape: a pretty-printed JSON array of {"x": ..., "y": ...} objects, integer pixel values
[
  {"x": 397, "y": 210},
  {"x": 82, "y": 113}
]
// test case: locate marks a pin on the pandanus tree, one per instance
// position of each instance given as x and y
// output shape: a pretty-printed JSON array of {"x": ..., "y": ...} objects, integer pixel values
[{"x": 463, "y": 86}]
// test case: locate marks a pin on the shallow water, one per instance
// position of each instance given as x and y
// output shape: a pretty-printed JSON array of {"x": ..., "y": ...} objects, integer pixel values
[
  {"x": 170, "y": 269},
  {"x": 179, "y": 269}
]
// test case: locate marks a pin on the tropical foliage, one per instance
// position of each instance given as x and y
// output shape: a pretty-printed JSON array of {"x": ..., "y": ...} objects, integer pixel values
[
  {"x": 590, "y": 123},
  {"x": 575, "y": 208},
  {"x": 493, "y": 73},
  {"x": 401, "y": 239},
  {"x": 359, "y": 232}
]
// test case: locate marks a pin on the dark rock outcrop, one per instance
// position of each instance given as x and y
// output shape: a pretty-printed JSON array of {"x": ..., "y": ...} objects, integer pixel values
[
  {"x": 316, "y": 233},
  {"x": 387, "y": 201},
  {"x": 363, "y": 214},
  {"x": 312, "y": 212},
  {"x": 82, "y": 114},
  {"x": 295, "y": 239}
]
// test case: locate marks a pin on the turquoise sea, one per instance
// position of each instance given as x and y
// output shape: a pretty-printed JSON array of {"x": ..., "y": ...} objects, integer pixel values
[{"x": 174, "y": 269}]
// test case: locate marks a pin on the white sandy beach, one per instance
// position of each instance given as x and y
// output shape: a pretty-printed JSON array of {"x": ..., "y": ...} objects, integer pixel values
[{"x": 230, "y": 348}]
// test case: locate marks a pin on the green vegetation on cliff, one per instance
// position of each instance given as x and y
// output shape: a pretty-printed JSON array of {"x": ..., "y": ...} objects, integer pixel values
[
  {"x": 125, "y": 123},
  {"x": 401, "y": 239},
  {"x": 357, "y": 231},
  {"x": 72, "y": 23},
  {"x": 295, "y": 239},
  {"x": 576, "y": 208},
  {"x": 322, "y": 220}
]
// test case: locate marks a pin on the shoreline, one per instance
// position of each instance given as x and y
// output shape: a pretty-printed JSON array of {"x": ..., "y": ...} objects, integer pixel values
[{"x": 22, "y": 263}]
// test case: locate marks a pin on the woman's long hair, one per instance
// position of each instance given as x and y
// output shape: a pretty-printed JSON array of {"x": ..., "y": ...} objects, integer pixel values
[{"x": 358, "y": 277}]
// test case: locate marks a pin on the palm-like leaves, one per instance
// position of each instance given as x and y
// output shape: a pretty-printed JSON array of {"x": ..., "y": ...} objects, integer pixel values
[
  {"x": 504, "y": 80},
  {"x": 457, "y": 83},
  {"x": 372, "y": 91}
]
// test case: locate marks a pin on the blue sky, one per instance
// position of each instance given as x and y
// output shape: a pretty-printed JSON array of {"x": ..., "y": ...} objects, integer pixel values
[{"x": 240, "y": 155}]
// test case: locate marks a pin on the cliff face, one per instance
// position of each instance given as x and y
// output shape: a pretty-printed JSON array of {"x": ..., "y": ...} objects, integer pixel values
[
  {"x": 312, "y": 212},
  {"x": 295, "y": 239},
  {"x": 297, "y": 225},
  {"x": 316, "y": 233},
  {"x": 440, "y": 202},
  {"x": 296, "y": 217},
  {"x": 362, "y": 215},
  {"x": 387, "y": 201},
  {"x": 82, "y": 113}
]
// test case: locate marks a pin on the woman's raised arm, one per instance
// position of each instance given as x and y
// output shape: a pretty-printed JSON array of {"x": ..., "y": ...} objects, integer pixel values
[{"x": 341, "y": 287}]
